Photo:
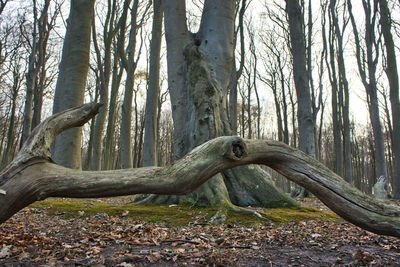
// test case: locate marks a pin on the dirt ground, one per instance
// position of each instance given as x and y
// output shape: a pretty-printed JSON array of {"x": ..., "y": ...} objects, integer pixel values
[{"x": 32, "y": 238}]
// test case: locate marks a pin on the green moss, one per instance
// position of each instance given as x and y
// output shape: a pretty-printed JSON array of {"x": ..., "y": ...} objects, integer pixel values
[
  {"x": 177, "y": 215},
  {"x": 303, "y": 213}
]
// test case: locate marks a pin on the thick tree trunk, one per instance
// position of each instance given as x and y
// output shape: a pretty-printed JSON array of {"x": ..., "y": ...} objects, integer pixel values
[
  {"x": 32, "y": 176},
  {"x": 304, "y": 114},
  {"x": 199, "y": 70},
  {"x": 72, "y": 77}
]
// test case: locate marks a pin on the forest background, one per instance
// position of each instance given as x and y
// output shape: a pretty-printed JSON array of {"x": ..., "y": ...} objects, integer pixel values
[{"x": 346, "y": 56}]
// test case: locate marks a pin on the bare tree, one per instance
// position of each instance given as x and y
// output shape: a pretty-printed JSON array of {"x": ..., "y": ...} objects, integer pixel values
[
  {"x": 36, "y": 61},
  {"x": 199, "y": 70},
  {"x": 236, "y": 73},
  {"x": 153, "y": 91},
  {"x": 110, "y": 30},
  {"x": 72, "y": 78},
  {"x": 367, "y": 60},
  {"x": 305, "y": 117},
  {"x": 393, "y": 78},
  {"x": 130, "y": 57},
  {"x": 16, "y": 82}
]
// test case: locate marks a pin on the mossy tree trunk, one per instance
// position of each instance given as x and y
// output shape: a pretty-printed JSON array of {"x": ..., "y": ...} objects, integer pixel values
[{"x": 199, "y": 70}]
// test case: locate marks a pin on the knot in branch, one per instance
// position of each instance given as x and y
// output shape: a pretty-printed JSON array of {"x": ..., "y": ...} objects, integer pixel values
[{"x": 236, "y": 149}]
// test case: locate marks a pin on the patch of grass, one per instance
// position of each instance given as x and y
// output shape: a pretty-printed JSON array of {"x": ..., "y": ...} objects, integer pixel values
[{"x": 177, "y": 215}]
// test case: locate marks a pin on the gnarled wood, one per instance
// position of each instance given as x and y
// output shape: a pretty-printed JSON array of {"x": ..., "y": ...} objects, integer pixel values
[{"x": 32, "y": 176}]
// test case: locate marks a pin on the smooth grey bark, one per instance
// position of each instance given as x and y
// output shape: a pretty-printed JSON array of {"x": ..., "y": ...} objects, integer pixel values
[
  {"x": 32, "y": 176},
  {"x": 304, "y": 106},
  {"x": 72, "y": 77},
  {"x": 367, "y": 64},
  {"x": 153, "y": 90},
  {"x": 304, "y": 112},
  {"x": 393, "y": 78},
  {"x": 199, "y": 70},
  {"x": 129, "y": 63}
]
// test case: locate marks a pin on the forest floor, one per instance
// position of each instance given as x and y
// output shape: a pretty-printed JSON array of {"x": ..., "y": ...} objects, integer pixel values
[{"x": 113, "y": 232}]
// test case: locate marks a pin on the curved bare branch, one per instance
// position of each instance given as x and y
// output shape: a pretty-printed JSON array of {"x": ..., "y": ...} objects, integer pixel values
[{"x": 32, "y": 176}]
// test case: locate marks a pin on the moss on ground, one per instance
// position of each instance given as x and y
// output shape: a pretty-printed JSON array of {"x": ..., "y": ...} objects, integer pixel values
[{"x": 177, "y": 215}]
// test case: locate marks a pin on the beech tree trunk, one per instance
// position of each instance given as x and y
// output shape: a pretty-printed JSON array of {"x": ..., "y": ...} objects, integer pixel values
[
  {"x": 32, "y": 175},
  {"x": 305, "y": 117},
  {"x": 72, "y": 77},
  {"x": 199, "y": 71},
  {"x": 153, "y": 91}
]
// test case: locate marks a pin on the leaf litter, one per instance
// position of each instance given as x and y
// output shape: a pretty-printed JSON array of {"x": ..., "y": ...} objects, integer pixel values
[{"x": 33, "y": 238}]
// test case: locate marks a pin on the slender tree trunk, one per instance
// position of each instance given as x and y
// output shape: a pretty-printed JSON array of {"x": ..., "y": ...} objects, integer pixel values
[
  {"x": 110, "y": 131},
  {"x": 31, "y": 77},
  {"x": 126, "y": 118},
  {"x": 153, "y": 91},
  {"x": 304, "y": 110},
  {"x": 370, "y": 84},
  {"x": 235, "y": 75},
  {"x": 7, "y": 155},
  {"x": 104, "y": 66},
  {"x": 344, "y": 92},
  {"x": 72, "y": 77},
  {"x": 393, "y": 77}
]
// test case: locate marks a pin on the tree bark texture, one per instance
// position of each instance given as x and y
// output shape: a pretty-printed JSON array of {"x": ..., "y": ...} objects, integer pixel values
[
  {"x": 72, "y": 77},
  {"x": 33, "y": 176},
  {"x": 199, "y": 70}
]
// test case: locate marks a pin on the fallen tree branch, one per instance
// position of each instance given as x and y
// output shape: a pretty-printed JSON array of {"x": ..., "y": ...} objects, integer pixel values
[{"x": 32, "y": 176}]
